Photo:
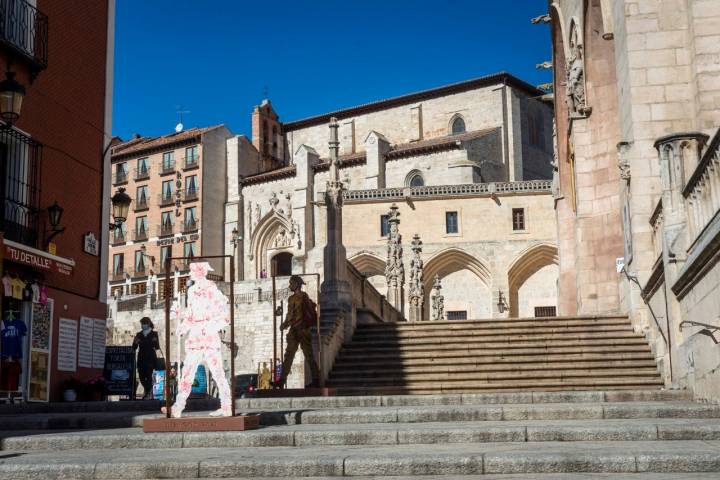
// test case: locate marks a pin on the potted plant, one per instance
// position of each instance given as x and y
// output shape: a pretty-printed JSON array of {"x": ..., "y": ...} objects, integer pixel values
[
  {"x": 70, "y": 388},
  {"x": 96, "y": 388}
]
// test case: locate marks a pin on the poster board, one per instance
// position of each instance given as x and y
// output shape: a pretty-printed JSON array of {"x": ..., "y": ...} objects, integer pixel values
[
  {"x": 91, "y": 343},
  {"x": 67, "y": 345},
  {"x": 39, "y": 368},
  {"x": 119, "y": 370}
]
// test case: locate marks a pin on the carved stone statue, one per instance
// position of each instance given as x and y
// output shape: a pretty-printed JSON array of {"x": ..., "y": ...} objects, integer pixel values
[
  {"x": 623, "y": 160},
  {"x": 282, "y": 239},
  {"x": 438, "y": 301},
  {"x": 577, "y": 102},
  {"x": 274, "y": 201},
  {"x": 258, "y": 214},
  {"x": 556, "y": 165},
  {"x": 417, "y": 291},
  {"x": 394, "y": 268}
]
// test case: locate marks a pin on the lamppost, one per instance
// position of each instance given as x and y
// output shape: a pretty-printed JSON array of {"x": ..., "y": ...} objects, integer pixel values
[
  {"x": 235, "y": 240},
  {"x": 120, "y": 205},
  {"x": 55, "y": 212},
  {"x": 12, "y": 94}
]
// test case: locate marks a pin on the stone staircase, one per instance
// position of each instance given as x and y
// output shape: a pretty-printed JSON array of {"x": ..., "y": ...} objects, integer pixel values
[
  {"x": 539, "y": 354},
  {"x": 634, "y": 435}
]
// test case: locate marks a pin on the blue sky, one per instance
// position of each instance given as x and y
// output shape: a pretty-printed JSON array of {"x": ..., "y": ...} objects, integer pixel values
[{"x": 217, "y": 57}]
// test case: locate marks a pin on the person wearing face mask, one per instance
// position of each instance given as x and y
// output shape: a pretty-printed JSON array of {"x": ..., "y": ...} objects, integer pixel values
[{"x": 146, "y": 342}]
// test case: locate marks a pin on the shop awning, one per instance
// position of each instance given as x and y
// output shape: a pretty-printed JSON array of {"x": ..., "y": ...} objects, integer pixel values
[{"x": 34, "y": 258}]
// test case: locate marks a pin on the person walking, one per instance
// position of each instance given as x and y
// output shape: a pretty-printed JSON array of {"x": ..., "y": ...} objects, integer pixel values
[
  {"x": 146, "y": 342},
  {"x": 301, "y": 317}
]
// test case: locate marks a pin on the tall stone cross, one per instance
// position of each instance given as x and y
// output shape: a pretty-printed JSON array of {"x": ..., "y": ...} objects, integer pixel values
[
  {"x": 417, "y": 290},
  {"x": 335, "y": 290},
  {"x": 394, "y": 268}
]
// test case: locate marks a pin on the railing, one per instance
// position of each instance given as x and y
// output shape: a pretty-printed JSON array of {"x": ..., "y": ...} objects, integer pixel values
[
  {"x": 165, "y": 200},
  {"x": 167, "y": 167},
  {"x": 142, "y": 173},
  {"x": 191, "y": 162},
  {"x": 191, "y": 226},
  {"x": 118, "y": 236},
  {"x": 702, "y": 192},
  {"x": 708, "y": 329},
  {"x": 20, "y": 187},
  {"x": 529, "y": 186},
  {"x": 141, "y": 204},
  {"x": 139, "y": 272},
  {"x": 120, "y": 177},
  {"x": 140, "y": 235},
  {"x": 118, "y": 274},
  {"x": 165, "y": 230},
  {"x": 191, "y": 195},
  {"x": 24, "y": 29}
]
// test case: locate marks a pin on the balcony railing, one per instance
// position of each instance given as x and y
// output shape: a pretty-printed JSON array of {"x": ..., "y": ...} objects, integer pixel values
[
  {"x": 191, "y": 162},
  {"x": 191, "y": 226},
  {"x": 165, "y": 199},
  {"x": 140, "y": 235},
  {"x": 117, "y": 274},
  {"x": 120, "y": 177},
  {"x": 142, "y": 173},
  {"x": 191, "y": 194},
  {"x": 24, "y": 31},
  {"x": 165, "y": 230},
  {"x": 118, "y": 236},
  {"x": 20, "y": 187},
  {"x": 167, "y": 167},
  {"x": 141, "y": 204},
  {"x": 140, "y": 271}
]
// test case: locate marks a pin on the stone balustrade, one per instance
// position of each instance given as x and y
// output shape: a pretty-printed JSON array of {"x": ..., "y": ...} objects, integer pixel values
[
  {"x": 441, "y": 191},
  {"x": 656, "y": 223},
  {"x": 702, "y": 191}
]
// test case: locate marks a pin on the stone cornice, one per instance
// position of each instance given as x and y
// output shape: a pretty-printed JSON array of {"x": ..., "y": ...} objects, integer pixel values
[
  {"x": 713, "y": 149},
  {"x": 657, "y": 277},
  {"x": 277, "y": 174}
]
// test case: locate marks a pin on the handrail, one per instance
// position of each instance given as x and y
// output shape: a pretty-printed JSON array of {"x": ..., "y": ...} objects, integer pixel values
[
  {"x": 634, "y": 279},
  {"x": 709, "y": 330}
]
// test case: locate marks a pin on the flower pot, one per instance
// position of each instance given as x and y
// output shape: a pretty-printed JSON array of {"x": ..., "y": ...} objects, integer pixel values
[{"x": 69, "y": 395}]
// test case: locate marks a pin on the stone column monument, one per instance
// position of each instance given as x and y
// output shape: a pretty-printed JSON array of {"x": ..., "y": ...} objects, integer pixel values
[
  {"x": 394, "y": 268},
  {"x": 335, "y": 290},
  {"x": 417, "y": 291},
  {"x": 438, "y": 301}
]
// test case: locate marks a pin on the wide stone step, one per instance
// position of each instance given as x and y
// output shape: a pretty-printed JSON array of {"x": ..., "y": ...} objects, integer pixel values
[
  {"x": 389, "y": 354},
  {"x": 478, "y": 376},
  {"x": 372, "y": 334},
  {"x": 496, "y": 321},
  {"x": 505, "y": 346},
  {"x": 499, "y": 337},
  {"x": 345, "y": 363},
  {"x": 414, "y": 460},
  {"x": 380, "y": 434},
  {"x": 429, "y": 388},
  {"x": 361, "y": 369}
]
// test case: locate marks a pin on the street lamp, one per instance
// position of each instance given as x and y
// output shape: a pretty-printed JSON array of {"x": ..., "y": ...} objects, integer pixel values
[
  {"x": 502, "y": 304},
  {"x": 143, "y": 252},
  {"x": 11, "y": 98},
  {"x": 55, "y": 212},
  {"x": 120, "y": 205}
]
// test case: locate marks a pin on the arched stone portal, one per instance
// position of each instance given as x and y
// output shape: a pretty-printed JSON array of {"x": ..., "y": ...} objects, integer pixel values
[
  {"x": 273, "y": 232},
  {"x": 372, "y": 267},
  {"x": 466, "y": 282},
  {"x": 539, "y": 261}
]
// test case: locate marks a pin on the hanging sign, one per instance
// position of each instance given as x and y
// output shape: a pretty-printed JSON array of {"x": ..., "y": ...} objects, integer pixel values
[
  {"x": 38, "y": 259},
  {"x": 90, "y": 244}
]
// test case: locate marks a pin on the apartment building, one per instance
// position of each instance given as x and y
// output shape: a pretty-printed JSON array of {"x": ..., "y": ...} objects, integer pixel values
[{"x": 177, "y": 183}]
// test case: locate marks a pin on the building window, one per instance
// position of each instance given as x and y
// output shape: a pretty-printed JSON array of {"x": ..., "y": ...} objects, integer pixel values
[
  {"x": 168, "y": 162},
  {"x": 167, "y": 192},
  {"x": 141, "y": 197},
  {"x": 451, "y": 222},
  {"x": 384, "y": 225},
  {"x": 189, "y": 250},
  {"x": 191, "y": 156},
  {"x": 414, "y": 179},
  {"x": 121, "y": 172},
  {"x": 165, "y": 253},
  {"x": 143, "y": 168},
  {"x": 191, "y": 188},
  {"x": 191, "y": 219},
  {"x": 458, "y": 126},
  {"x": 161, "y": 289},
  {"x": 119, "y": 233},
  {"x": 518, "y": 218},
  {"x": 545, "y": 312},
  {"x": 139, "y": 263},
  {"x": 182, "y": 284},
  {"x": 166, "y": 223},
  {"x": 139, "y": 288},
  {"x": 141, "y": 226},
  {"x": 457, "y": 315},
  {"x": 118, "y": 264}
]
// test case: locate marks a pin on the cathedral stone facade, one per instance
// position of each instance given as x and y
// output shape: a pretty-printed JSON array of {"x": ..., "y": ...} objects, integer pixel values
[{"x": 637, "y": 104}]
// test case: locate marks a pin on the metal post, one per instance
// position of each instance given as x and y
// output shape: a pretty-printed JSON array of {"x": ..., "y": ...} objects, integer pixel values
[
  {"x": 166, "y": 392},
  {"x": 232, "y": 334},
  {"x": 274, "y": 317},
  {"x": 321, "y": 380}
]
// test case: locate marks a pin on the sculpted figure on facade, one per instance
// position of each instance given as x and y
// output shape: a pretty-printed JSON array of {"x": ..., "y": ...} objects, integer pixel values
[
  {"x": 258, "y": 214},
  {"x": 282, "y": 239},
  {"x": 417, "y": 291},
  {"x": 623, "y": 149},
  {"x": 555, "y": 165},
  {"x": 394, "y": 269},
  {"x": 577, "y": 102},
  {"x": 438, "y": 301}
]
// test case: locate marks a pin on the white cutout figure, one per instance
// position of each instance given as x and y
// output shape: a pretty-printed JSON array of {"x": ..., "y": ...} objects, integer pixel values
[{"x": 200, "y": 323}]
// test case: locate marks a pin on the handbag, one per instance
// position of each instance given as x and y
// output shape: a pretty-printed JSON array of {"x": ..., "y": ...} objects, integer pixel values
[{"x": 159, "y": 362}]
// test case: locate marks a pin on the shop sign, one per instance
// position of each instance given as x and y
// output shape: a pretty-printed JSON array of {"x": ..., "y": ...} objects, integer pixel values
[
  {"x": 90, "y": 244},
  {"x": 36, "y": 259},
  {"x": 120, "y": 370},
  {"x": 184, "y": 238}
]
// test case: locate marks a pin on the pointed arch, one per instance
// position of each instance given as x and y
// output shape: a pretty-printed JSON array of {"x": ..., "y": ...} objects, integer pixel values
[
  {"x": 263, "y": 237},
  {"x": 527, "y": 263},
  {"x": 457, "y": 124},
  {"x": 451, "y": 260},
  {"x": 368, "y": 264}
]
